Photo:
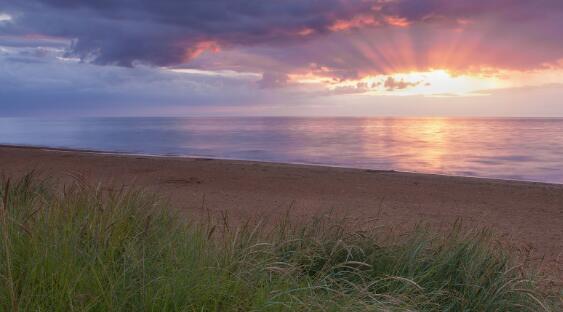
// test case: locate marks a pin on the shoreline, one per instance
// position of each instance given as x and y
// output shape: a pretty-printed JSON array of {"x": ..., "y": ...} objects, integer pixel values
[
  {"x": 266, "y": 162},
  {"x": 528, "y": 215}
]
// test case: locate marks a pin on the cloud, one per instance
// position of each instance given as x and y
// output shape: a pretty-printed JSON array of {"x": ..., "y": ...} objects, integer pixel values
[
  {"x": 392, "y": 84},
  {"x": 333, "y": 38},
  {"x": 39, "y": 82},
  {"x": 173, "y": 32},
  {"x": 4, "y": 18}
]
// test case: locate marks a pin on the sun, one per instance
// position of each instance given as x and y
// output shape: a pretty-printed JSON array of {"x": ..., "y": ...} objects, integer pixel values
[
  {"x": 441, "y": 82},
  {"x": 437, "y": 82}
]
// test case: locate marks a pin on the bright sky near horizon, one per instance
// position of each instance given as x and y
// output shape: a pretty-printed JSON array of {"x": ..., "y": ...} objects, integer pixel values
[{"x": 292, "y": 57}]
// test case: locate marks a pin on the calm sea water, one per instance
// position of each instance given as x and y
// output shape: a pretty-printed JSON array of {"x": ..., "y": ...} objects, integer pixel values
[{"x": 521, "y": 149}]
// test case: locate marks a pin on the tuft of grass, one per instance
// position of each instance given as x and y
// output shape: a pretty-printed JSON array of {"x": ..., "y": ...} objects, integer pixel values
[{"x": 84, "y": 248}]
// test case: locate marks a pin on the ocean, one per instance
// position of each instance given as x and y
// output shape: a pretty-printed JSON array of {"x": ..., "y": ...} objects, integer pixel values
[{"x": 529, "y": 149}]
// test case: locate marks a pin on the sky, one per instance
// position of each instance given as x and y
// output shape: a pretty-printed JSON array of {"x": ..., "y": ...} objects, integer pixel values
[{"x": 281, "y": 57}]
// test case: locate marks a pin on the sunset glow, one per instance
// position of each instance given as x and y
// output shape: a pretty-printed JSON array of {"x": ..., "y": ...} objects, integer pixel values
[{"x": 431, "y": 83}]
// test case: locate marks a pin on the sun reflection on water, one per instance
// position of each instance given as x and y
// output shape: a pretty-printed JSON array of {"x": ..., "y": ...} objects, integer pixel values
[{"x": 415, "y": 144}]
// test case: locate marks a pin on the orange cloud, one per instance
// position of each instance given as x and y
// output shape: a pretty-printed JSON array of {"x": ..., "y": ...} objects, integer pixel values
[
  {"x": 201, "y": 47},
  {"x": 359, "y": 21},
  {"x": 397, "y": 21},
  {"x": 306, "y": 32}
]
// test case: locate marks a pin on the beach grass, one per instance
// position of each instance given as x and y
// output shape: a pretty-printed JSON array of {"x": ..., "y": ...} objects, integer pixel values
[{"x": 93, "y": 248}]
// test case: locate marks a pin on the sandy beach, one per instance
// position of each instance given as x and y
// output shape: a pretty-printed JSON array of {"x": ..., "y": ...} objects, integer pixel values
[{"x": 528, "y": 215}]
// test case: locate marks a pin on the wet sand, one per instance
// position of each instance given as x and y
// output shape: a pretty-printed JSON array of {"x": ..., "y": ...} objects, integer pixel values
[{"x": 526, "y": 214}]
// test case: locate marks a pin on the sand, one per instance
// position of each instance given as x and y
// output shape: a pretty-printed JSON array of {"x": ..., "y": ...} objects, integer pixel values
[{"x": 525, "y": 214}]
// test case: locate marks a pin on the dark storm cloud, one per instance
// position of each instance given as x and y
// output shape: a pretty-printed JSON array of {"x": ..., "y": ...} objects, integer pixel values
[{"x": 172, "y": 32}]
